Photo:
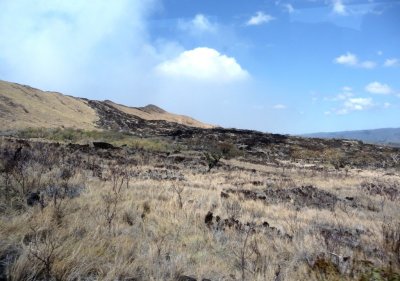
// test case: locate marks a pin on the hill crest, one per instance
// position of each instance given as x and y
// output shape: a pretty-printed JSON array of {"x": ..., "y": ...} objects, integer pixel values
[{"x": 23, "y": 106}]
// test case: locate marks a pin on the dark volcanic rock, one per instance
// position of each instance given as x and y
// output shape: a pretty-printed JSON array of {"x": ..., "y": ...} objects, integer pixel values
[
  {"x": 303, "y": 196},
  {"x": 389, "y": 189},
  {"x": 33, "y": 199},
  {"x": 103, "y": 145},
  {"x": 346, "y": 237},
  {"x": 257, "y": 147}
]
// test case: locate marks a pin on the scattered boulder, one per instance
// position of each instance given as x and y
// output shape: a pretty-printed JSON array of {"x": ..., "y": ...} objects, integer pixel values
[
  {"x": 304, "y": 196},
  {"x": 391, "y": 190},
  {"x": 7, "y": 258},
  {"x": 224, "y": 195},
  {"x": 218, "y": 224},
  {"x": 33, "y": 199},
  {"x": 343, "y": 236},
  {"x": 208, "y": 219},
  {"x": 103, "y": 145}
]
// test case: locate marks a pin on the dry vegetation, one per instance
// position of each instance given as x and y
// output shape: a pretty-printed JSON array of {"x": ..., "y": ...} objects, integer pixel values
[
  {"x": 22, "y": 106},
  {"x": 76, "y": 212}
]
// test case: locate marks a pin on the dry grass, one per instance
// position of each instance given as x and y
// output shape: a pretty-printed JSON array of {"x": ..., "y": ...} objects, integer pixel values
[
  {"x": 24, "y": 107},
  {"x": 160, "y": 115},
  {"x": 152, "y": 238}
]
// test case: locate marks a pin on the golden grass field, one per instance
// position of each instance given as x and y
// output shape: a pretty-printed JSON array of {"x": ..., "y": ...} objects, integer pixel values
[
  {"x": 24, "y": 107},
  {"x": 141, "y": 215}
]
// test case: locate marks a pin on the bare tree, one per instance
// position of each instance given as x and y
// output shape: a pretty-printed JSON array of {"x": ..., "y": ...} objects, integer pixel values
[
  {"x": 119, "y": 176},
  {"x": 178, "y": 190},
  {"x": 244, "y": 253},
  {"x": 42, "y": 248}
]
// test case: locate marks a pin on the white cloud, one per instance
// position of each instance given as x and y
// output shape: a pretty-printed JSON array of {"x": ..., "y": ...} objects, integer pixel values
[
  {"x": 350, "y": 59},
  {"x": 338, "y": 7},
  {"x": 392, "y": 62},
  {"x": 378, "y": 88},
  {"x": 200, "y": 23},
  {"x": 260, "y": 18},
  {"x": 279, "y": 106},
  {"x": 347, "y": 59},
  {"x": 355, "y": 104},
  {"x": 203, "y": 64},
  {"x": 349, "y": 102}
]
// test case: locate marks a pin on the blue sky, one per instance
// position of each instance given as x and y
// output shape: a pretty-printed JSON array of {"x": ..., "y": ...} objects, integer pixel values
[{"x": 294, "y": 66}]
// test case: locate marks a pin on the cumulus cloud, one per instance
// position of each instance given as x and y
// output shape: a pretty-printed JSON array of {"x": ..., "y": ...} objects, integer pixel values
[
  {"x": 349, "y": 103},
  {"x": 260, "y": 18},
  {"x": 200, "y": 23},
  {"x": 392, "y": 62},
  {"x": 347, "y": 59},
  {"x": 350, "y": 59},
  {"x": 203, "y": 64},
  {"x": 355, "y": 104},
  {"x": 378, "y": 88}
]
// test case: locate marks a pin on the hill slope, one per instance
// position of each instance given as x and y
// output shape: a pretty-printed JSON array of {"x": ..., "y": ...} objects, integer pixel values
[
  {"x": 389, "y": 136},
  {"x": 22, "y": 106},
  {"x": 152, "y": 112}
]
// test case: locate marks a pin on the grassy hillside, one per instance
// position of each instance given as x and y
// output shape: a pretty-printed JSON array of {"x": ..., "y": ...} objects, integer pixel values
[
  {"x": 24, "y": 107},
  {"x": 76, "y": 212},
  {"x": 152, "y": 112}
]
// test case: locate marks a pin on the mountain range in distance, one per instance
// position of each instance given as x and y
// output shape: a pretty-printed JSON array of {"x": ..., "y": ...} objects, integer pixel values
[{"x": 384, "y": 136}]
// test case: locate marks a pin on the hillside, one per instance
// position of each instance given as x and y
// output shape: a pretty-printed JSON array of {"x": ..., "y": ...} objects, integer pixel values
[
  {"x": 152, "y": 112},
  {"x": 22, "y": 106},
  {"x": 387, "y": 136},
  {"x": 137, "y": 195}
]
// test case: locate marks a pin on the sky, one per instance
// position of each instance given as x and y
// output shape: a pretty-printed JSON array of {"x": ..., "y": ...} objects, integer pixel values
[{"x": 283, "y": 66}]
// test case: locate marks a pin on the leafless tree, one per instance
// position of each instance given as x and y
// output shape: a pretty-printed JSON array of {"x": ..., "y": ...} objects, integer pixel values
[
  {"x": 178, "y": 190},
  {"x": 43, "y": 248}
]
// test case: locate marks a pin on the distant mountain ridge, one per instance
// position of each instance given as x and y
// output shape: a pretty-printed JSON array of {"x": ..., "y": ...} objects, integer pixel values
[
  {"x": 385, "y": 136},
  {"x": 23, "y": 107}
]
